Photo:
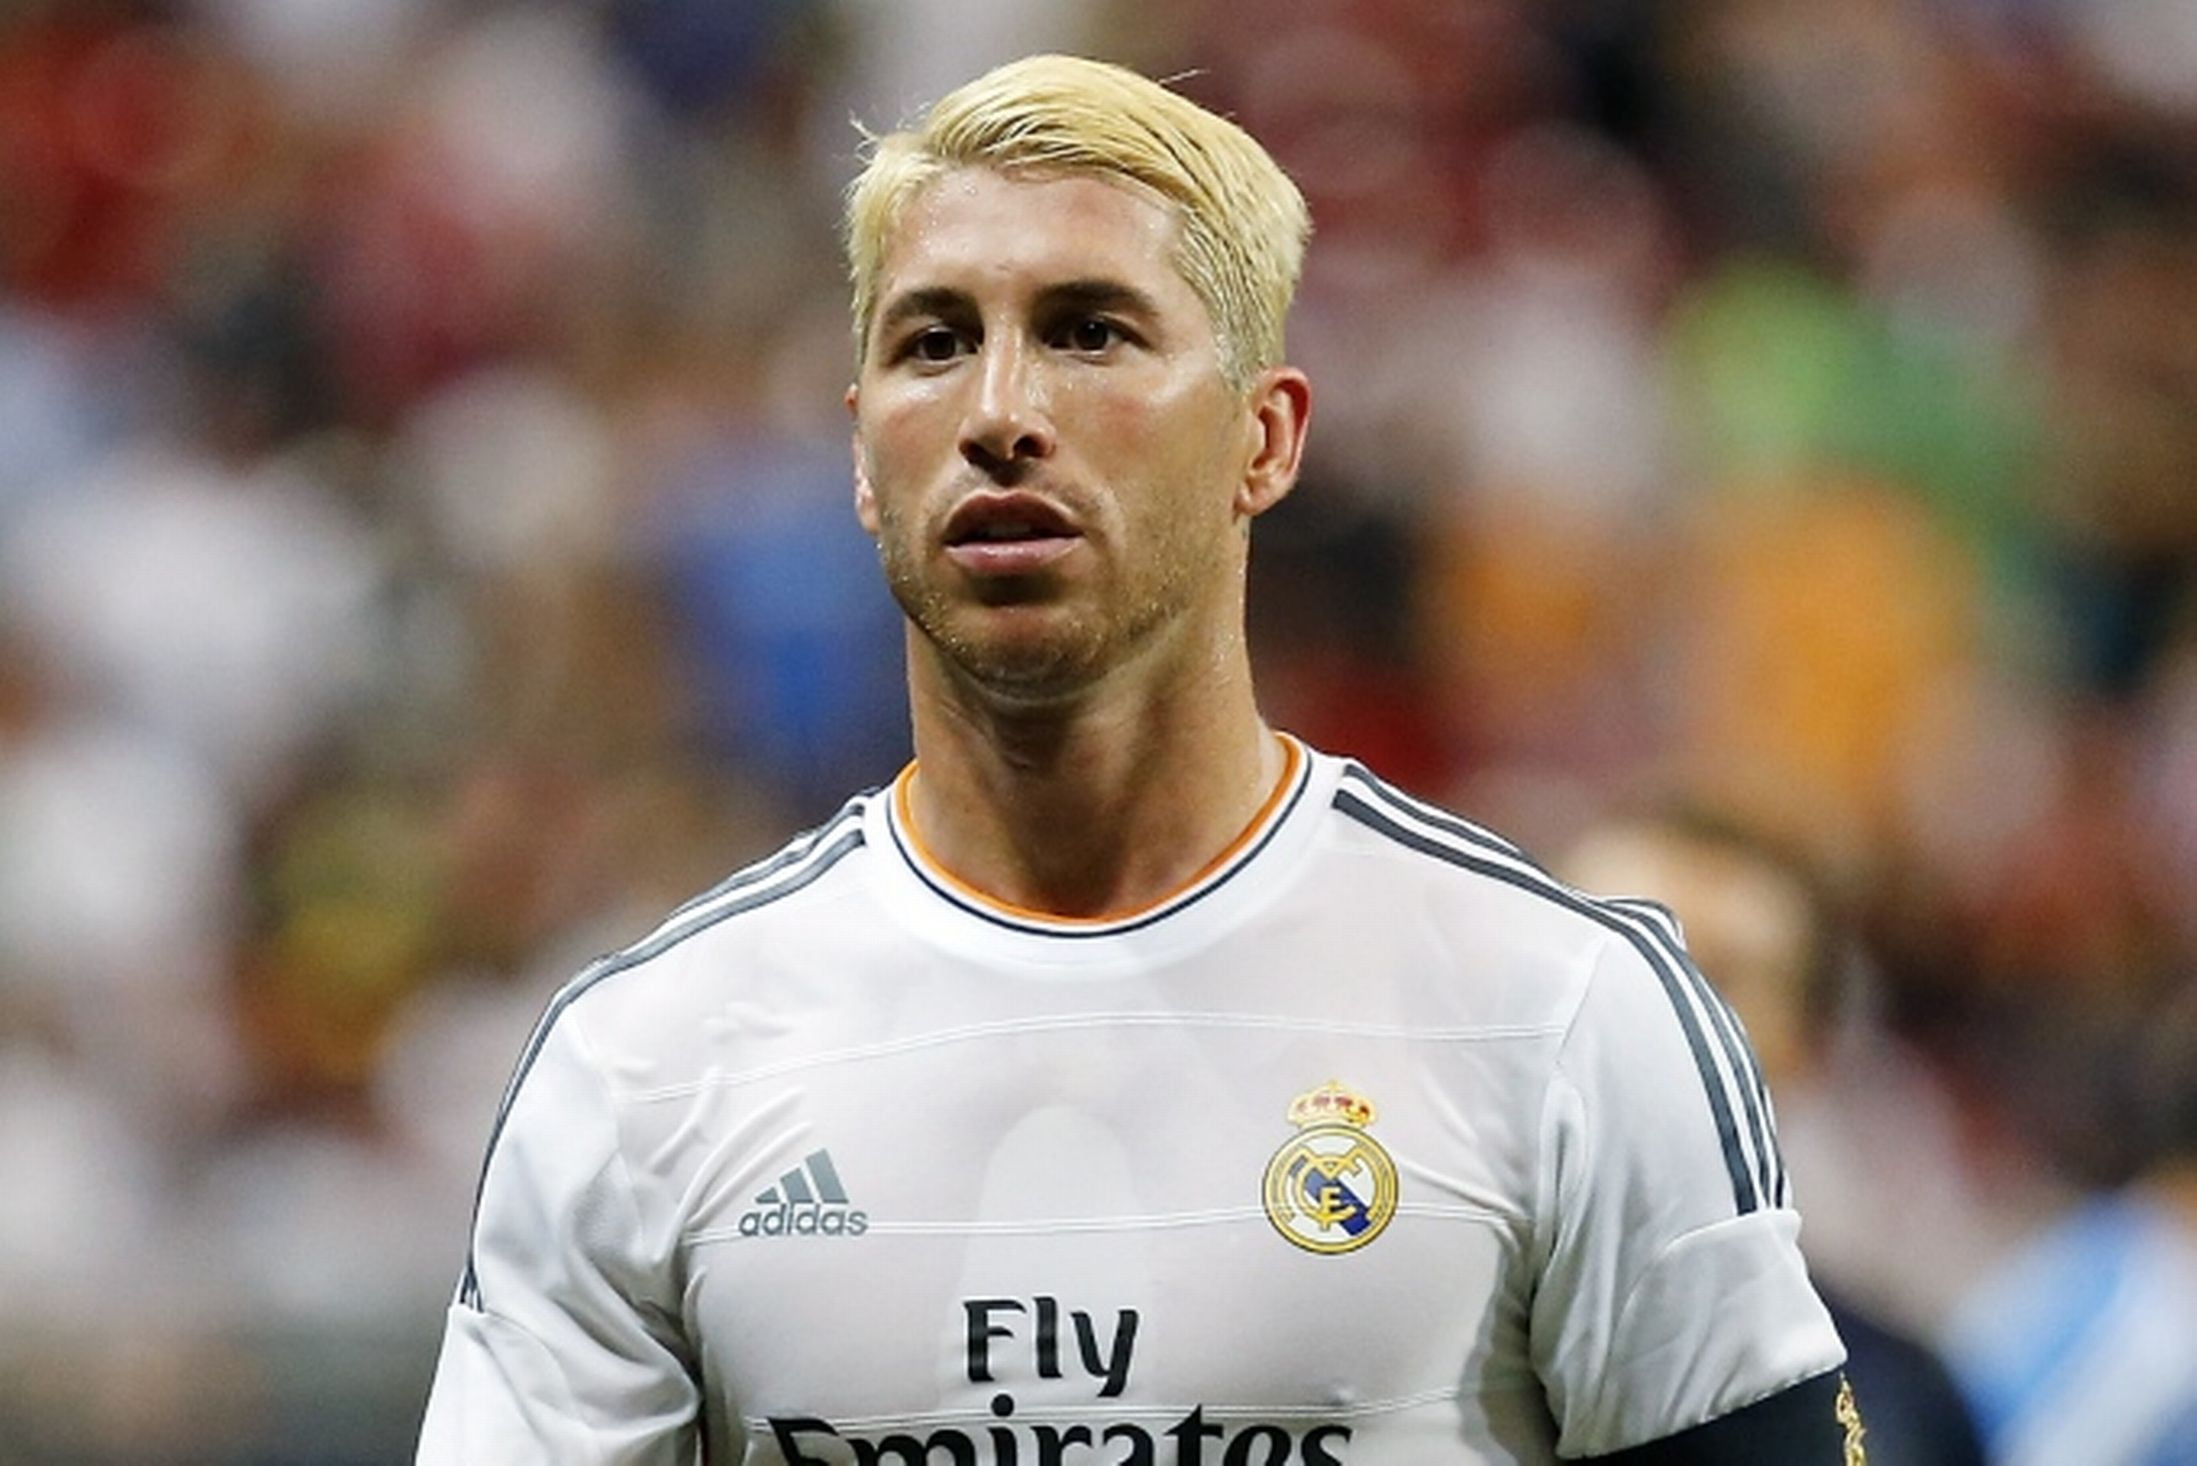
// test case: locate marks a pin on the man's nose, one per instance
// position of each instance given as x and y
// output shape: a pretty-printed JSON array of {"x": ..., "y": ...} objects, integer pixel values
[{"x": 1007, "y": 427}]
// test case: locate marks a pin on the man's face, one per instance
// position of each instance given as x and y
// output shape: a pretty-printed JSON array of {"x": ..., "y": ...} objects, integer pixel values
[{"x": 1045, "y": 449}]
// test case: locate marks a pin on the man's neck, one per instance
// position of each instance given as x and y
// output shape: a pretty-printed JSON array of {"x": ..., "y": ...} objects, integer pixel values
[{"x": 1102, "y": 805}]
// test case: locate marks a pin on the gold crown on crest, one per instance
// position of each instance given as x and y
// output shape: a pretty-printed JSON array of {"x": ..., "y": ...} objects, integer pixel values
[{"x": 1331, "y": 1104}]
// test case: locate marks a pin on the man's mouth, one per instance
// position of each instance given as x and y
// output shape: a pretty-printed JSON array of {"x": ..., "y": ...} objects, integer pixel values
[
  {"x": 1008, "y": 534},
  {"x": 1001, "y": 530}
]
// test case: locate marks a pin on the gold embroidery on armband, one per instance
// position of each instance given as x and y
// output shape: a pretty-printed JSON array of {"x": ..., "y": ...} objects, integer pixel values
[{"x": 1849, "y": 1415}]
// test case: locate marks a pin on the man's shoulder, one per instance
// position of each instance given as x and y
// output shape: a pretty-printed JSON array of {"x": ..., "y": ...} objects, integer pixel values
[
  {"x": 784, "y": 885},
  {"x": 1426, "y": 846},
  {"x": 1399, "y": 862},
  {"x": 651, "y": 1016},
  {"x": 1411, "y": 826}
]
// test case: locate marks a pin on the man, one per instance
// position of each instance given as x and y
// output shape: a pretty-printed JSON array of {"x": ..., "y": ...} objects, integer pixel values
[{"x": 1128, "y": 1083}]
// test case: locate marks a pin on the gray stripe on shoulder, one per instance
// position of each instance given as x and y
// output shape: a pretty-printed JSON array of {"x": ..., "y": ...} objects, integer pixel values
[{"x": 801, "y": 862}]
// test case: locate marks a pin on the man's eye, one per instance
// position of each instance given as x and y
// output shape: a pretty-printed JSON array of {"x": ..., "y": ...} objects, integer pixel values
[
  {"x": 1091, "y": 334},
  {"x": 934, "y": 344}
]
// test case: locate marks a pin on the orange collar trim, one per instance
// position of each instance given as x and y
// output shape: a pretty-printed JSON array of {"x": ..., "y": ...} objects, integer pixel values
[{"x": 1293, "y": 758}]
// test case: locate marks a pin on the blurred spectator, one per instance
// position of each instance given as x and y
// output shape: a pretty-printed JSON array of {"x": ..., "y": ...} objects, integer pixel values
[
  {"x": 2124, "y": 405},
  {"x": 794, "y": 657},
  {"x": 2083, "y": 1346},
  {"x": 228, "y": 612}
]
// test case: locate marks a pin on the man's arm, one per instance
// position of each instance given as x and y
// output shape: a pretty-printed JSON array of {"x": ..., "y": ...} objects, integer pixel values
[
  {"x": 1672, "y": 1292},
  {"x": 563, "y": 1343},
  {"x": 1814, "y": 1423}
]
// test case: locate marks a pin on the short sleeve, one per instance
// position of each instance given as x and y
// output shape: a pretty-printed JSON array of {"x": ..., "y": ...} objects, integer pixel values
[
  {"x": 1671, "y": 1289},
  {"x": 563, "y": 1344}
]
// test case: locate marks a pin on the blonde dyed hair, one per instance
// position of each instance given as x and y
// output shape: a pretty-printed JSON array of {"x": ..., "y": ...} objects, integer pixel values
[{"x": 1241, "y": 223}]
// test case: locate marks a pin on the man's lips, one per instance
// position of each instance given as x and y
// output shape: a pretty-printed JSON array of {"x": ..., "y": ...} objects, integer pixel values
[{"x": 1014, "y": 533}]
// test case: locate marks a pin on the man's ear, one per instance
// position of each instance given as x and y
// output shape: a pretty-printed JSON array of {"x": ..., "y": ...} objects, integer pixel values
[
  {"x": 865, "y": 498},
  {"x": 1281, "y": 410}
]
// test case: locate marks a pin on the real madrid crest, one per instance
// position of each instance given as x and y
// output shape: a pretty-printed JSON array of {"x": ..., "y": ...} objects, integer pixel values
[{"x": 1331, "y": 1187}]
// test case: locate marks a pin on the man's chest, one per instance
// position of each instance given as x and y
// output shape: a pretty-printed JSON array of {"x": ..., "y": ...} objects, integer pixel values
[{"x": 1110, "y": 1235}]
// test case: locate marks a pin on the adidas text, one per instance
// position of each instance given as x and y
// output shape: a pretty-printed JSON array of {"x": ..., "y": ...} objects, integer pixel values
[
  {"x": 788, "y": 1220},
  {"x": 809, "y": 1201}
]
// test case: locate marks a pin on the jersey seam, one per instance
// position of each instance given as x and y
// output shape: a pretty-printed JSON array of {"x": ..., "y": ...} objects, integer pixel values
[
  {"x": 623, "y": 1176},
  {"x": 613, "y": 1160},
  {"x": 1548, "y": 1196},
  {"x": 1460, "y": 1213},
  {"x": 1067, "y": 1023}
]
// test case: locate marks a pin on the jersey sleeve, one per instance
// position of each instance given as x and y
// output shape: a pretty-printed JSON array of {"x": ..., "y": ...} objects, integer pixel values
[
  {"x": 563, "y": 1344},
  {"x": 1671, "y": 1290}
]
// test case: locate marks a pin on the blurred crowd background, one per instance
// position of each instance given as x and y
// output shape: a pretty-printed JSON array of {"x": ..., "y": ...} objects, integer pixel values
[{"x": 426, "y": 556}]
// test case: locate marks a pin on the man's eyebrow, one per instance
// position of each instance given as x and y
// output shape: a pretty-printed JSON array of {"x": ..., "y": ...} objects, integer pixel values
[
  {"x": 929, "y": 300},
  {"x": 1099, "y": 295}
]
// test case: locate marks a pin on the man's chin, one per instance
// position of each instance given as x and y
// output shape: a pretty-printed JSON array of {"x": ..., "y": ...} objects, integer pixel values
[
  {"x": 1030, "y": 678},
  {"x": 1029, "y": 663}
]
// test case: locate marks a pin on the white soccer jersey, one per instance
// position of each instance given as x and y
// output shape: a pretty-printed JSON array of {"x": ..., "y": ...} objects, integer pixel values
[{"x": 1374, "y": 1145}]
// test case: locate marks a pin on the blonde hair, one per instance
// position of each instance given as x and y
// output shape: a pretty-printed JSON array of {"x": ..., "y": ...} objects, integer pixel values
[{"x": 1242, "y": 223}]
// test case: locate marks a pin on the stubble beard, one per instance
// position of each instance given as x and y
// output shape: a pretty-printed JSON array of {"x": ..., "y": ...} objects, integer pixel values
[{"x": 1022, "y": 651}]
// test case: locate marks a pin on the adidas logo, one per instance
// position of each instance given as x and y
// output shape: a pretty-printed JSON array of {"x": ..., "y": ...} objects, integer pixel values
[{"x": 808, "y": 1201}]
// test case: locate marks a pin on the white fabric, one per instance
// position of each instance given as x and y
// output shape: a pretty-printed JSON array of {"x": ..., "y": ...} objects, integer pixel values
[{"x": 1055, "y": 1247}]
